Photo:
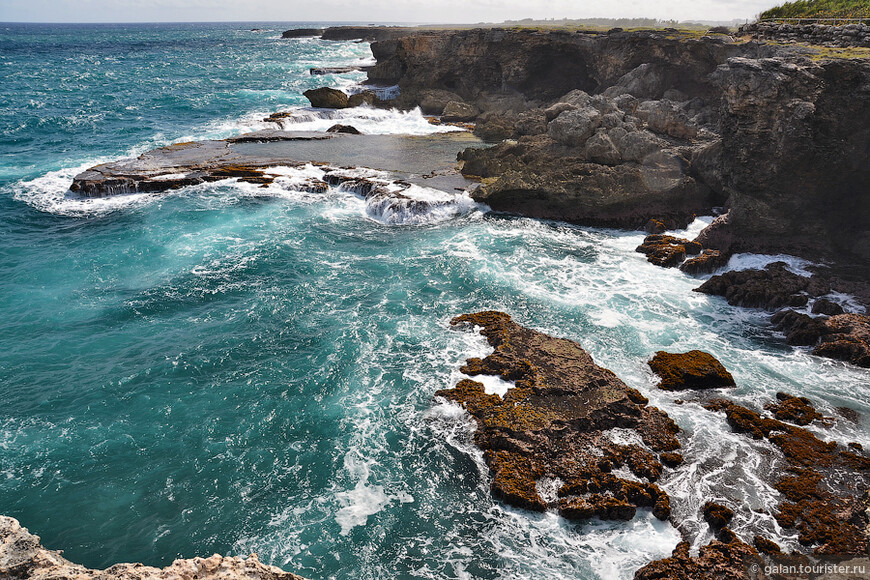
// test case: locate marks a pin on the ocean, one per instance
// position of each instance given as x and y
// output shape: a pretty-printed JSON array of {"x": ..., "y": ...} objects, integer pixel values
[{"x": 232, "y": 369}]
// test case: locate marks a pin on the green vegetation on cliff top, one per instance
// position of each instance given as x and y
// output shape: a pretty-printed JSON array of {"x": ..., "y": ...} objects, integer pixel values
[{"x": 845, "y": 9}]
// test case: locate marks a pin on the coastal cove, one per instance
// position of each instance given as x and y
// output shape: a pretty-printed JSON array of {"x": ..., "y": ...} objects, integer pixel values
[{"x": 228, "y": 331}]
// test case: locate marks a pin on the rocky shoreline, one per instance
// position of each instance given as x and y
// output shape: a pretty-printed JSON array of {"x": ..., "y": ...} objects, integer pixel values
[
  {"x": 23, "y": 556},
  {"x": 633, "y": 130}
]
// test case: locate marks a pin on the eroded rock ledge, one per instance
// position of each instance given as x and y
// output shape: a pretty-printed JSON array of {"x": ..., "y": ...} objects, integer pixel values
[
  {"x": 23, "y": 556},
  {"x": 548, "y": 441}
]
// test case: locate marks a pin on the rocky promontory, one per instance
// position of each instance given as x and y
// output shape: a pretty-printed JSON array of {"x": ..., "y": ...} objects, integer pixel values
[
  {"x": 23, "y": 556},
  {"x": 611, "y": 128}
]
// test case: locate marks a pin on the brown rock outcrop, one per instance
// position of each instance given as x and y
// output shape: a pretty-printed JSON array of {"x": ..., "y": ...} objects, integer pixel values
[
  {"x": 667, "y": 251},
  {"x": 22, "y": 556},
  {"x": 844, "y": 337},
  {"x": 552, "y": 426},
  {"x": 327, "y": 98},
  {"x": 823, "y": 485},
  {"x": 695, "y": 369},
  {"x": 719, "y": 560}
]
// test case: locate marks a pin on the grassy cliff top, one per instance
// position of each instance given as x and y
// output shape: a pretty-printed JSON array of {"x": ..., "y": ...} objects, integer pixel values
[{"x": 845, "y": 9}]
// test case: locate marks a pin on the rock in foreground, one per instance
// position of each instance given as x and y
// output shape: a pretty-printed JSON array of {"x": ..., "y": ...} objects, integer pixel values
[
  {"x": 550, "y": 430},
  {"x": 22, "y": 556}
]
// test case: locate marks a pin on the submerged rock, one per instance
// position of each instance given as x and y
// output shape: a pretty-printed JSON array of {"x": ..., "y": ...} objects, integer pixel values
[
  {"x": 23, "y": 556},
  {"x": 327, "y": 98},
  {"x": 552, "y": 425},
  {"x": 695, "y": 369}
]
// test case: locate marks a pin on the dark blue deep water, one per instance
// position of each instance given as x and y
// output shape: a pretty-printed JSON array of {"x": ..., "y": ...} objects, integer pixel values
[{"x": 235, "y": 370}]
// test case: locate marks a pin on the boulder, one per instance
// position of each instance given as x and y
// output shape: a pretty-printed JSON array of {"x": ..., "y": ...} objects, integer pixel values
[
  {"x": 600, "y": 149},
  {"x": 574, "y": 127},
  {"x": 434, "y": 101},
  {"x": 327, "y": 98},
  {"x": 349, "y": 129},
  {"x": 708, "y": 261},
  {"x": 459, "y": 112},
  {"x": 364, "y": 98},
  {"x": 495, "y": 127},
  {"x": 691, "y": 370}
]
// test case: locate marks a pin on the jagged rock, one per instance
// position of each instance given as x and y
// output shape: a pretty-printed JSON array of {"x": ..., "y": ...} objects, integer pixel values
[
  {"x": 23, "y": 556},
  {"x": 707, "y": 261},
  {"x": 667, "y": 251},
  {"x": 349, "y": 129},
  {"x": 363, "y": 98},
  {"x": 720, "y": 560},
  {"x": 797, "y": 410},
  {"x": 553, "y": 424},
  {"x": 654, "y": 226},
  {"x": 846, "y": 338},
  {"x": 495, "y": 127},
  {"x": 692, "y": 370},
  {"x": 532, "y": 122},
  {"x": 823, "y": 485},
  {"x": 600, "y": 149},
  {"x": 327, "y": 98},
  {"x": 459, "y": 111},
  {"x": 800, "y": 329},
  {"x": 771, "y": 288},
  {"x": 717, "y": 515},
  {"x": 575, "y": 126}
]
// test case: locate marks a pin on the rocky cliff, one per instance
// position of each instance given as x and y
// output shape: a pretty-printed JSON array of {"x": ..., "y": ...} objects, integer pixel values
[{"x": 619, "y": 127}]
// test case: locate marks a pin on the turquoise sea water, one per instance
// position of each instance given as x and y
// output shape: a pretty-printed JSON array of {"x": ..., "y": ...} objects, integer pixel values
[{"x": 230, "y": 369}]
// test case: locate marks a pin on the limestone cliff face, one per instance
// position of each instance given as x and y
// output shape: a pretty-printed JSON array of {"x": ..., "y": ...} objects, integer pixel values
[
  {"x": 796, "y": 157},
  {"x": 22, "y": 556},
  {"x": 782, "y": 140},
  {"x": 546, "y": 65}
]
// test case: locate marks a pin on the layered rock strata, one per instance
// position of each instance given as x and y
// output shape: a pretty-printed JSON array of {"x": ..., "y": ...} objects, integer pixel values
[{"x": 23, "y": 556}]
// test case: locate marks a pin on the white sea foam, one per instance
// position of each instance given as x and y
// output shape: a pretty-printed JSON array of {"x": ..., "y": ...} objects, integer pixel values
[
  {"x": 368, "y": 120},
  {"x": 759, "y": 261},
  {"x": 493, "y": 385}
]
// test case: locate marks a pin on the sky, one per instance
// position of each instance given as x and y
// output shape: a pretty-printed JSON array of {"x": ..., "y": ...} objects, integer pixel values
[{"x": 435, "y": 11}]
